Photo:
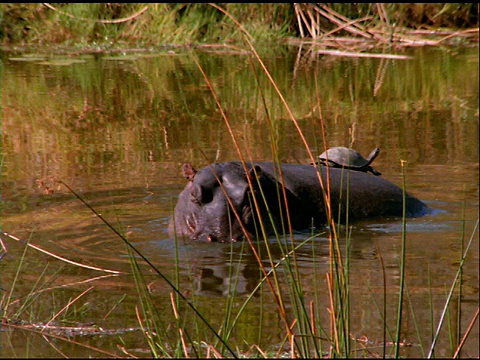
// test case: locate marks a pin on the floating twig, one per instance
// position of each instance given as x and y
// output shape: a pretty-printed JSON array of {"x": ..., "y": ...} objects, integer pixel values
[
  {"x": 59, "y": 257},
  {"x": 359, "y": 54}
]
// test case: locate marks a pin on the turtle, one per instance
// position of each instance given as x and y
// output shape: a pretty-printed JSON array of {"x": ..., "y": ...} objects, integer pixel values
[{"x": 340, "y": 156}]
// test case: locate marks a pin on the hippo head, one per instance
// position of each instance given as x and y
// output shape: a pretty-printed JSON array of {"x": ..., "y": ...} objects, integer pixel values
[{"x": 216, "y": 204}]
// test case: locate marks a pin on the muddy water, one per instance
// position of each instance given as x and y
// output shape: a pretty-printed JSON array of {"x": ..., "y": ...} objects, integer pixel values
[{"x": 117, "y": 130}]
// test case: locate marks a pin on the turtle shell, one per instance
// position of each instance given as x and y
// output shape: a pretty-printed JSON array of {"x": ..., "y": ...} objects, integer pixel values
[{"x": 341, "y": 156}]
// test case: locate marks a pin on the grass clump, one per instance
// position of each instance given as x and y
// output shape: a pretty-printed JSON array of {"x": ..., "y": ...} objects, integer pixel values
[{"x": 105, "y": 25}]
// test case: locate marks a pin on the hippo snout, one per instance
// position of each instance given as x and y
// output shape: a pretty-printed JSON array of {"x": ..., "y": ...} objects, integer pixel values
[
  {"x": 217, "y": 236},
  {"x": 204, "y": 237}
]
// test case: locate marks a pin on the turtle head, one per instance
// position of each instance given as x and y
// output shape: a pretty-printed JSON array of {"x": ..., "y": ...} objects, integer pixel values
[{"x": 373, "y": 155}]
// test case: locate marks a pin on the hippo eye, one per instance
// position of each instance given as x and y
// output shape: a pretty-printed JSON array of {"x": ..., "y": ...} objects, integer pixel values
[{"x": 196, "y": 198}]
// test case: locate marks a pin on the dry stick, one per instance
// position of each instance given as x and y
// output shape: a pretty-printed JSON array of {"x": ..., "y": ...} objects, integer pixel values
[
  {"x": 292, "y": 349},
  {"x": 301, "y": 16},
  {"x": 351, "y": 22},
  {"x": 339, "y": 20},
  {"x": 97, "y": 20},
  {"x": 365, "y": 55},
  {"x": 383, "y": 15},
  {"x": 336, "y": 39},
  {"x": 313, "y": 25},
  {"x": 338, "y": 15},
  {"x": 435, "y": 32},
  {"x": 31, "y": 329},
  {"x": 465, "y": 336},
  {"x": 296, "y": 6},
  {"x": 90, "y": 329},
  {"x": 66, "y": 307},
  {"x": 460, "y": 278},
  {"x": 458, "y": 33},
  {"x": 59, "y": 257},
  {"x": 409, "y": 40},
  {"x": 307, "y": 25},
  {"x": 356, "y": 28},
  {"x": 350, "y": 29}
]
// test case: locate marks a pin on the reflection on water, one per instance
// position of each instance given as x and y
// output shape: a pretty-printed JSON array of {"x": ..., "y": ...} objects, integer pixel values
[{"x": 119, "y": 131}]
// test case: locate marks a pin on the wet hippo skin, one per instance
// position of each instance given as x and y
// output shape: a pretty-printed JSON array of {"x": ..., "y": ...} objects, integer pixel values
[{"x": 203, "y": 212}]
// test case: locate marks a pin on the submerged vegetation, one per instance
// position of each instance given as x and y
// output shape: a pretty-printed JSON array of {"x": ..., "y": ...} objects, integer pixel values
[{"x": 127, "y": 25}]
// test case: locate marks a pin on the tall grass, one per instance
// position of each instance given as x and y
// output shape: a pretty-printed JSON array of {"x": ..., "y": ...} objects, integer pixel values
[
  {"x": 303, "y": 332},
  {"x": 104, "y": 25},
  {"x": 337, "y": 278}
]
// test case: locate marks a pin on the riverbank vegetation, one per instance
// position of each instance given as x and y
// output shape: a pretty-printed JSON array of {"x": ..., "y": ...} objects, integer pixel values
[{"x": 108, "y": 26}]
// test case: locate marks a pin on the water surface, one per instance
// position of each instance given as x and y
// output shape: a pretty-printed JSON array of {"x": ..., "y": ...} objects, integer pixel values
[{"x": 118, "y": 129}]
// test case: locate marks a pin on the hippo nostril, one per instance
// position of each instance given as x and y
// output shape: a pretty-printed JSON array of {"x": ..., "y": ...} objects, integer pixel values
[{"x": 211, "y": 238}]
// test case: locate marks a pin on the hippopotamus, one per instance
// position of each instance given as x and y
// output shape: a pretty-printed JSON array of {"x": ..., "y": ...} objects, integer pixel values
[{"x": 225, "y": 201}]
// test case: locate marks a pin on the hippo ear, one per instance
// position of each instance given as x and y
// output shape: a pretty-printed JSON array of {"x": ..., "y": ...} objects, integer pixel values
[
  {"x": 189, "y": 171},
  {"x": 255, "y": 172}
]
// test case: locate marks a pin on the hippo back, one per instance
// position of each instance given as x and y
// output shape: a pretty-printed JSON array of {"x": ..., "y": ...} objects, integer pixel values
[{"x": 224, "y": 200}]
